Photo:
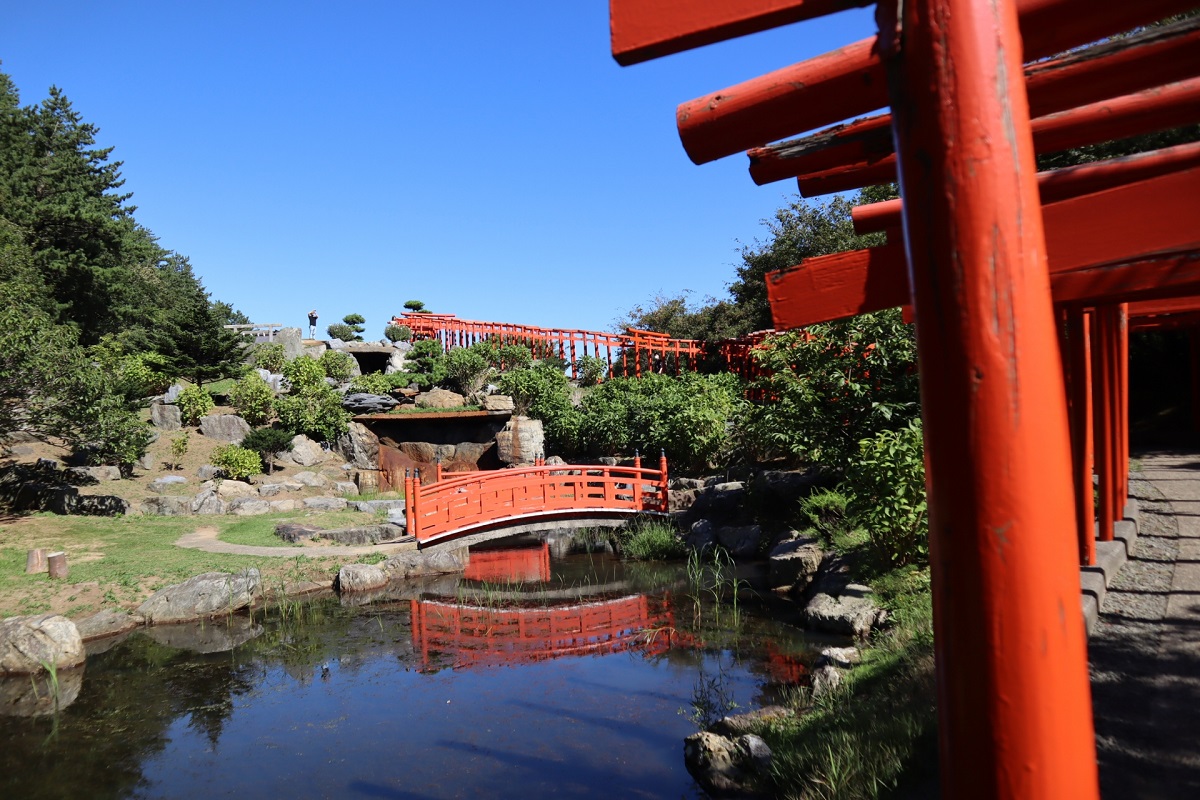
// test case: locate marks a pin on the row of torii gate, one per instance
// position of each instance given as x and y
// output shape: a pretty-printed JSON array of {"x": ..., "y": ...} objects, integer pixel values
[{"x": 1023, "y": 287}]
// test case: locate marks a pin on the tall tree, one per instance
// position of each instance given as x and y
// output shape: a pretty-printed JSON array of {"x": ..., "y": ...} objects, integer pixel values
[{"x": 194, "y": 343}]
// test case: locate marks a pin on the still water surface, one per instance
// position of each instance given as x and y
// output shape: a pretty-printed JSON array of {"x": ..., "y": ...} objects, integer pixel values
[{"x": 580, "y": 680}]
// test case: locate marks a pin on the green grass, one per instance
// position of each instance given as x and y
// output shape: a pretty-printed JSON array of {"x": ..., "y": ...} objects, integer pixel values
[
  {"x": 416, "y": 410},
  {"x": 878, "y": 729},
  {"x": 650, "y": 540},
  {"x": 259, "y": 531}
]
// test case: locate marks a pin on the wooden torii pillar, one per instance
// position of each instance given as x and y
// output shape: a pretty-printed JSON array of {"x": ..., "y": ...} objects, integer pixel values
[{"x": 1014, "y": 701}]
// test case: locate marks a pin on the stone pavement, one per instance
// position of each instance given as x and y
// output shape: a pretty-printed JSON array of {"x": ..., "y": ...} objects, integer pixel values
[
  {"x": 206, "y": 539},
  {"x": 1145, "y": 650}
]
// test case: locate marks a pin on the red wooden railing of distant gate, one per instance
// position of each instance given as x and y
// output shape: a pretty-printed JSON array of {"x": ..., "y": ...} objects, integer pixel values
[{"x": 467, "y": 501}]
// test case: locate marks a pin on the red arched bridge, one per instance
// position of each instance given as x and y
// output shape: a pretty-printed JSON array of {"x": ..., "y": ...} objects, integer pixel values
[{"x": 458, "y": 503}]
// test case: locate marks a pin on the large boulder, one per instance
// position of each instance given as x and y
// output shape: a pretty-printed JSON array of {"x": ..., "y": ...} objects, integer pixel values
[
  {"x": 311, "y": 479},
  {"x": 852, "y": 613},
  {"x": 206, "y": 595},
  {"x": 249, "y": 507},
  {"x": 359, "y": 446},
  {"x": 224, "y": 427},
  {"x": 363, "y": 403},
  {"x": 360, "y": 578},
  {"x": 106, "y": 623},
  {"x": 723, "y": 766},
  {"x": 39, "y": 695},
  {"x": 233, "y": 489},
  {"x": 167, "y": 483},
  {"x": 291, "y": 339},
  {"x": 31, "y": 644},
  {"x": 718, "y": 502},
  {"x": 167, "y": 505},
  {"x": 498, "y": 403},
  {"x": 305, "y": 452},
  {"x": 166, "y": 418},
  {"x": 325, "y": 503},
  {"x": 421, "y": 452},
  {"x": 98, "y": 474},
  {"x": 415, "y": 563},
  {"x": 207, "y": 502},
  {"x": 521, "y": 441},
  {"x": 780, "y": 489},
  {"x": 794, "y": 562},
  {"x": 741, "y": 541},
  {"x": 440, "y": 398}
]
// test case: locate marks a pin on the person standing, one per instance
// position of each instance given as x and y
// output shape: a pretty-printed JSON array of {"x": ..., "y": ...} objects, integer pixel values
[{"x": 312, "y": 324}]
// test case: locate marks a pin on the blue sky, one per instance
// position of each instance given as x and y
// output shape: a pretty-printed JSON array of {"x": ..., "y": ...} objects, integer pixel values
[{"x": 490, "y": 159}]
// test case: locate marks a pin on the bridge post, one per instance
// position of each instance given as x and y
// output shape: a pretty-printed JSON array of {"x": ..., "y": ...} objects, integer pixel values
[
  {"x": 663, "y": 481},
  {"x": 409, "y": 514},
  {"x": 637, "y": 480}
]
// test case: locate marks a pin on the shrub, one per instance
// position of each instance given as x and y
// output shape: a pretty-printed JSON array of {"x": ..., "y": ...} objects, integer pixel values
[
  {"x": 253, "y": 399},
  {"x": 304, "y": 373},
  {"x": 397, "y": 333},
  {"x": 590, "y": 370},
  {"x": 886, "y": 487},
  {"x": 467, "y": 368},
  {"x": 355, "y": 323},
  {"x": 425, "y": 364},
  {"x": 651, "y": 540},
  {"x": 543, "y": 392},
  {"x": 825, "y": 511},
  {"x": 315, "y": 412},
  {"x": 179, "y": 448},
  {"x": 236, "y": 462},
  {"x": 414, "y": 305},
  {"x": 340, "y": 330},
  {"x": 270, "y": 356},
  {"x": 337, "y": 365},
  {"x": 372, "y": 383},
  {"x": 268, "y": 443},
  {"x": 194, "y": 403}
]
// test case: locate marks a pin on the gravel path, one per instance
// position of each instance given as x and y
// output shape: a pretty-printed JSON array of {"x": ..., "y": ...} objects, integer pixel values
[
  {"x": 1145, "y": 650},
  {"x": 206, "y": 539}
]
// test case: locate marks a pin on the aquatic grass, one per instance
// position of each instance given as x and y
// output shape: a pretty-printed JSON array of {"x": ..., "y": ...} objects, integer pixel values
[{"x": 650, "y": 540}]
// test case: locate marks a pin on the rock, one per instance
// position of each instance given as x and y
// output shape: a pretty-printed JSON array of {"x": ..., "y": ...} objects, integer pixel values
[
  {"x": 202, "y": 596},
  {"x": 27, "y": 644},
  {"x": 395, "y": 363},
  {"x": 172, "y": 394},
  {"x": 714, "y": 762},
  {"x": 428, "y": 562},
  {"x": 780, "y": 489},
  {"x": 208, "y": 472},
  {"x": 359, "y": 446},
  {"x": 291, "y": 339},
  {"x": 325, "y": 503},
  {"x": 106, "y": 623},
  {"x": 336, "y": 343},
  {"x": 521, "y": 441},
  {"x": 363, "y": 403},
  {"x": 360, "y": 578},
  {"x": 794, "y": 562},
  {"x": 168, "y": 505},
  {"x": 207, "y": 637},
  {"x": 421, "y": 452},
  {"x": 39, "y": 695},
  {"x": 498, "y": 403},
  {"x": 96, "y": 474},
  {"x": 346, "y": 487},
  {"x": 230, "y": 489},
  {"x": 739, "y": 724},
  {"x": 756, "y": 755},
  {"x": 166, "y": 483},
  {"x": 270, "y": 489},
  {"x": 47, "y": 464},
  {"x": 293, "y": 532},
  {"x": 841, "y": 657},
  {"x": 681, "y": 499},
  {"x": 249, "y": 507},
  {"x": 305, "y": 452},
  {"x": 445, "y": 452},
  {"x": 207, "y": 502},
  {"x": 850, "y": 614},
  {"x": 440, "y": 398},
  {"x": 224, "y": 427},
  {"x": 469, "y": 453},
  {"x": 311, "y": 479},
  {"x": 146, "y": 462},
  {"x": 825, "y": 679},
  {"x": 20, "y": 450},
  {"x": 373, "y": 506},
  {"x": 721, "y": 501},
  {"x": 363, "y": 535},
  {"x": 166, "y": 418},
  {"x": 286, "y": 505},
  {"x": 702, "y": 536},
  {"x": 741, "y": 541}
]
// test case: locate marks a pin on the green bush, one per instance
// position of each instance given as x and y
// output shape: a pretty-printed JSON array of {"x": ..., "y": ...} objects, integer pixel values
[
  {"x": 304, "y": 373},
  {"x": 886, "y": 488},
  {"x": 468, "y": 369},
  {"x": 337, "y": 365},
  {"x": 179, "y": 448},
  {"x": 253, "y": 399},
  {"x": 397, "y": 333},
  {"x": 340, "y": 330},
  {"x": 315, "y": 412},
  {"x": 236, "y": 462},
  {"x": 194, "y": 403},
  {"x": 414, "y": 305},
  {"x": 542, "y": 392},
  {"x": 372, "y": 383},
  {"x": 425, "y": 364},
  {"x": 825, "y": 511},
  {"x": 590, "y": 370},
  {"x": 651, "y": 540},
  {"x": 269, "y": 356},
  {"x": 268, "y": 443}
]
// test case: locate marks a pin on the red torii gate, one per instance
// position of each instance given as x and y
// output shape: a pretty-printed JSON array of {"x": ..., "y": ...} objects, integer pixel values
[{"x": 984, "y": 274}]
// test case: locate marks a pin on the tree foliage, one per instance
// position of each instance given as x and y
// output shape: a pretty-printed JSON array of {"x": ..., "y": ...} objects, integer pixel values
[{"x": 253, "y": 399}]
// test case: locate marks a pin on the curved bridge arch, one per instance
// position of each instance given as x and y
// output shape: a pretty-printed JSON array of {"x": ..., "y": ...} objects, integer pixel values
[{"x": 475, "y": 501}]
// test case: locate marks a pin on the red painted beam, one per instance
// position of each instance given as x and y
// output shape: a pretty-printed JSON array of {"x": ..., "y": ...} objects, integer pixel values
[
  {"x": 646, "y": 29},
  {"x": 1079, "y": 358},
  {"x": 1060, "y": 184},
  {"x": 1112, "y": 69},
  {"x": 1151, "y": 110},
  {"x": 849, "y": 81},
  {"x": 1159, "y": 308},
  {"x": 1156, "y": 277},
  {"x": 1114, "y": 227}
]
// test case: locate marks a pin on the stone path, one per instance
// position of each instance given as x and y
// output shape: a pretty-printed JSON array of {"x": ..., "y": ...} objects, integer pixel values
[
  {"x": 1145, "y": 651},
  {"x": 206, "y": 539}
]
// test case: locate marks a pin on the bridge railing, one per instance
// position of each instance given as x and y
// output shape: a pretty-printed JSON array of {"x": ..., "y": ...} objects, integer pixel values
[{"x": 464, "y": 501}]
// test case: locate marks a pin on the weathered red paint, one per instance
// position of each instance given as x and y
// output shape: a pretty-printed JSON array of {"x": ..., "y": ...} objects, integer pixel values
[
  {"x": 1101, "y": 72},
  {"x": 1079, "y": 348},
  {"x": 1103, "y": 400},
  {"x": 645, "y": 29},
  {"x": 1060, "y": 184},
  {"x": 1006, "y": 589}
]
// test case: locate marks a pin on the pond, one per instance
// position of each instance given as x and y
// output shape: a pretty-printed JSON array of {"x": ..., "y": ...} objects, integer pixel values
[{"x": 529, "y": 676}]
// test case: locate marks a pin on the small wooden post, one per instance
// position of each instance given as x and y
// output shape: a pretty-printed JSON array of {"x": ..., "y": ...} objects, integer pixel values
[
  {"x": 408, "y": 504},
  {"x": 416, "y": 499},
  {"x": 662, "y": 481},
  {"x": 35, "y": 561},
  {"x": 57, "y": 565},
  {"x": 637, "y": 480}
]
